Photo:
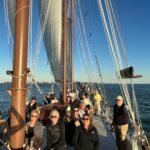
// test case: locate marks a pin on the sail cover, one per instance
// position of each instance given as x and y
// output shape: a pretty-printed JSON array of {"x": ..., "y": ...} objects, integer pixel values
[{"x": 53, "y": 37}]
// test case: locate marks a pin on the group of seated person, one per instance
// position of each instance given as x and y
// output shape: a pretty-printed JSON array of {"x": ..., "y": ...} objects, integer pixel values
[{"x": 75, "y": 129}]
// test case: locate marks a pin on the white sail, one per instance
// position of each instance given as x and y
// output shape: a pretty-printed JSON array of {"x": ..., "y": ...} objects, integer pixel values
[
  {"x": 11, "y": 7},
  {"x": 53, "y": 36},
  {"x": 69, "y": 51}
]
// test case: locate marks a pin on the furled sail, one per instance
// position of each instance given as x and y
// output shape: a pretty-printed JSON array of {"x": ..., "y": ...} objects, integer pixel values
[{"x": 53, "y": 37}]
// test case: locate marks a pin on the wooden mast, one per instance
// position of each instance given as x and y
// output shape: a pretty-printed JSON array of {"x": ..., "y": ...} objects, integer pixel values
[
  {"x": 64, "y": 50},
  {"x": 17, "y": 115},
  {"x": 72, "y": 44}
]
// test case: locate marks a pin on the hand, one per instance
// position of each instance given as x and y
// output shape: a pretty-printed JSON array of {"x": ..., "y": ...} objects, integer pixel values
[
  {"x": 27, "y": 147},
  {"x": 77, "y": 123},
  {"x": 111, "y": 125},
  {"x": 5, "y": 130}
]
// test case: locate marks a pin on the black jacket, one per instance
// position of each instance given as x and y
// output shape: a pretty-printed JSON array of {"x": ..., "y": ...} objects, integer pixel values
[
  {"x": 56, "y": 136},
  {"x": 120, "y": 115},
  {"x": 30, "y": 108},
  {"x": 70, "y": 129},
  {"x": 86, "y": 140}
]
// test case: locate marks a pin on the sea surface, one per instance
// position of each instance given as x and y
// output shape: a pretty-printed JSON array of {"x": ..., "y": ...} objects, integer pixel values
[{"x": 142, "y": 93}]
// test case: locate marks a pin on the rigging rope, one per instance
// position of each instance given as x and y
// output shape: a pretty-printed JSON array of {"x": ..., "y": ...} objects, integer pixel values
[
  {"x": 84, "y": 34},
  {"x": 135, "y": 107},
  {"x": 82, "y": 40},
  {"x": 113, "y": 44},
  {"x": 9, "y": 33},
  {"x": 45, "y": 8},
  {"x": 106, "y": 106},
  {"x": 30, "y": 34},
  {"x": 113, "y": 54},
  {"x": 124, "y": 84},
  {"x": 82, "y": 26},
  {"x": 115, "y": 17},
  {"x": 101, "y": 84},
  {"x": 79, "y": 40}
]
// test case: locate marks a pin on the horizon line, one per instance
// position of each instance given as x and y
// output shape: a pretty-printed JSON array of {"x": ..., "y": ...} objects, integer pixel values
[{"x": 76, "y": 81}]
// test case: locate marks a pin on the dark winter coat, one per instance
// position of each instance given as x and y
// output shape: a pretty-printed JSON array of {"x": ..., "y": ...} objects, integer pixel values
[
  {"x": 56, "y": 136},
  {"x": 120, "y": 115},
  {"x": 86, "y": 139}
]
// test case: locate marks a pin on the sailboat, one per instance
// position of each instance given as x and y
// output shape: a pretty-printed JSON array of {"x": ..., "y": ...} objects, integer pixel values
[{"x": 55, "y": 28}]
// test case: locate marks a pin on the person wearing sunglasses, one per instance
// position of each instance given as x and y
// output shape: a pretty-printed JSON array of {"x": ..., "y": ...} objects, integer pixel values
[
  {"x": 120, "y": 122},
  {"x": 34, "y": 131},
  {"x": 71, "y": 126},
  {"x": 55, "y": 132},
  {"x": 86, "y": 135}
]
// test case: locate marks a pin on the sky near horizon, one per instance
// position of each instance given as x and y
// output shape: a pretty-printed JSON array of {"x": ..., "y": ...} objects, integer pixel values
[{"x": 134, "y": 21}]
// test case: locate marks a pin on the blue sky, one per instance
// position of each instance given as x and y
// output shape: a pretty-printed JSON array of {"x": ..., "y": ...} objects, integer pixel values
[{"x": 135, "y": 27}]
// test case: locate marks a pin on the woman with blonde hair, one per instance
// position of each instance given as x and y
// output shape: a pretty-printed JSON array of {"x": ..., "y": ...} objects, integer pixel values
[
  {"x": 86, "y": 136},
  {"x": 34, "y": 131}
]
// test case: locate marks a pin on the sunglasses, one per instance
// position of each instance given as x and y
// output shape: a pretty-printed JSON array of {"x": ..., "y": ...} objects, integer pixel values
[
  {"x": 117, "y": 99},
  {"x": 86, "y": 119},
  {"x": 53, "y": 116},
  {"x": 34, "y": 116}
]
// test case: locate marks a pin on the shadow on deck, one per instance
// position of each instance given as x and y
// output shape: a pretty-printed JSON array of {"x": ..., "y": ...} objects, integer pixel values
[{"x": 106, "y": 139}]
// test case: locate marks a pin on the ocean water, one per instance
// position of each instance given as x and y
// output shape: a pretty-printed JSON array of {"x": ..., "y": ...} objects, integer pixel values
[{"x": 142, "y": 93}]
